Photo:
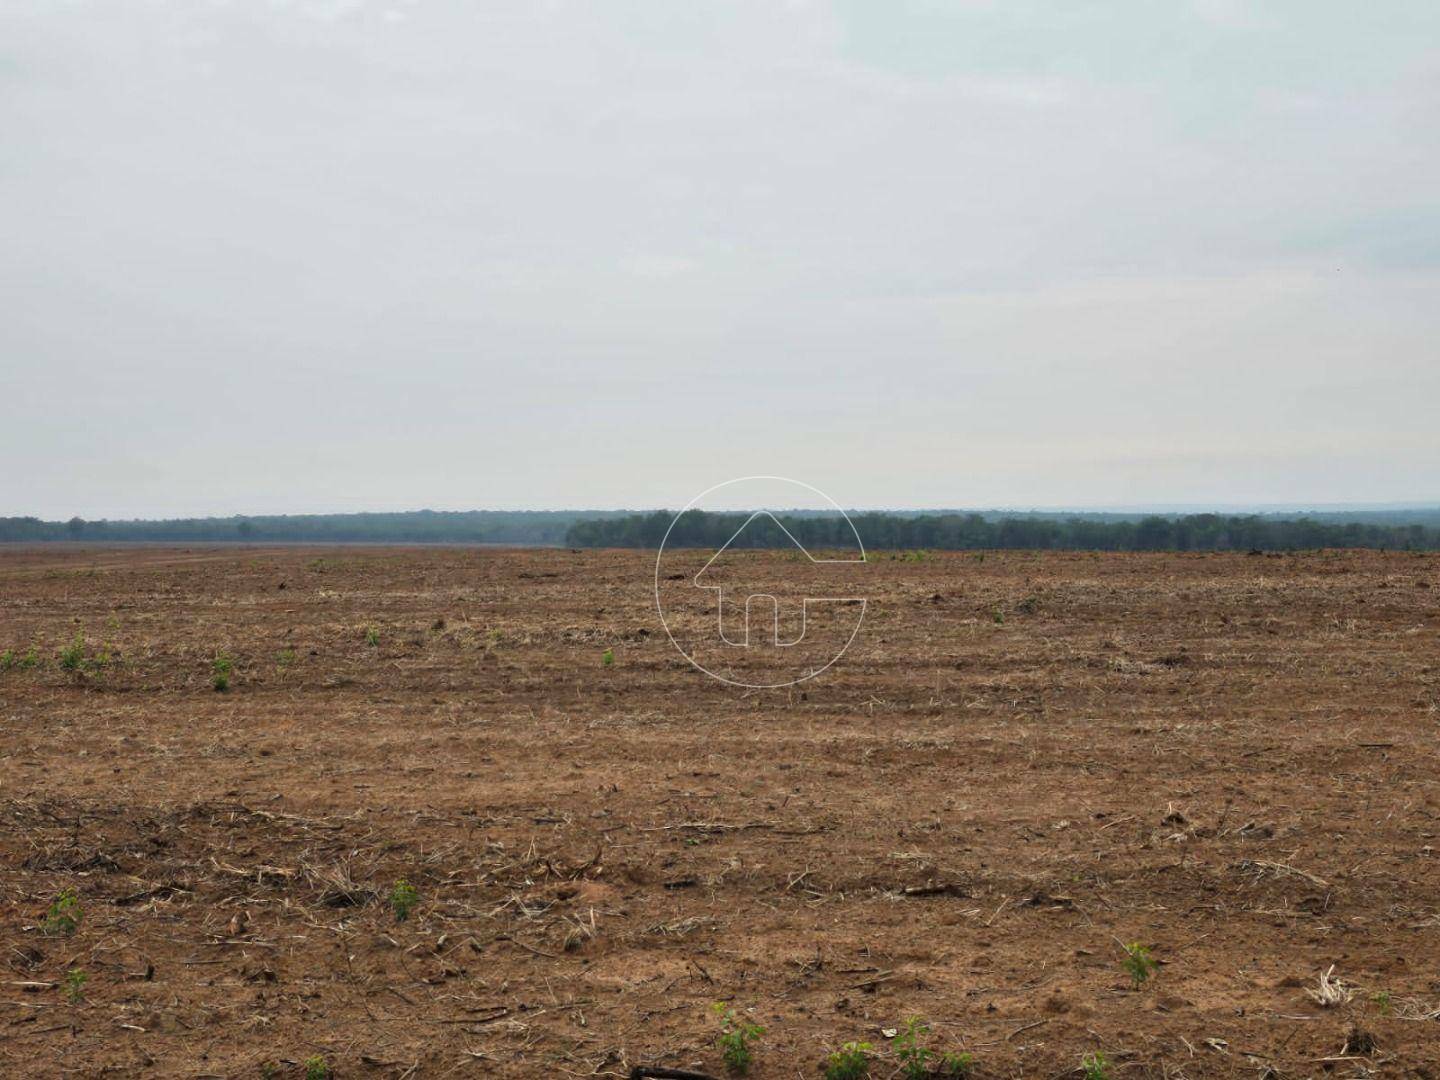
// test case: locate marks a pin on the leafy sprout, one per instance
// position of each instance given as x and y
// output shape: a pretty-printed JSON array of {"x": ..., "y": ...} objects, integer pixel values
[
  {"x": 220, "y": 669},
  {"x": 403, "y": 898},
  {"x": 850, "y": 1062},
  {"x": 1138, "y": 963},
  {"x": 75, "y": 980},
  {"x": 735, "y": 1038},
  {"x": 64, "y": 913}
]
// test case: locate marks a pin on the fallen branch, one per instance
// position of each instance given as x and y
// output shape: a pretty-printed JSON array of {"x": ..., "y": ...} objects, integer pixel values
[
  {"x": 870, "y": 984},
  {"x": 527, "y": 948},
  {"x": 1026, "y": 1027},
  {"x": 712, "y": 826},
  {"x": 159, "y": 892},
  {"x": 1260, "y": 866},
  {"x": 948, "y": 888}
]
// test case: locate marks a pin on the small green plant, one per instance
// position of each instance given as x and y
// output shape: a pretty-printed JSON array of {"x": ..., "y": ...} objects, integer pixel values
[
  {"x": 285, "y": 660},
  {"x": 316, "y": 1069},
  {"x": 372, "y": 636},
  {"x": 914, "y": 1058},
  {"x": 7, "y": 660},
  {"x": 850, "y": 1062},
  {"x": 918, "y": 1061},
  {"x": 1095, "y": 1066},
  {"x": 403, "y": 898},
  {"x": 64, "y": 914},
  {"x": 72, "y": 656},
  {"x": 957, "y": 1065},
  {"x": 735, "y": 1038},
  {"x": 607, "y": 657},
  {"x": 998, "y": 616},
  {"x": 1137, "y": 963},
  {"x": 1382, "y": 1001},
  {"x": 220, "y": 669},
  {"x": 31, "y": 659},
  {"x": 75, "y": 980}
]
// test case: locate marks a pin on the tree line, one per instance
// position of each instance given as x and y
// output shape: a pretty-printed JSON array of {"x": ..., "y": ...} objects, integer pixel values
[
  {"x": 521, "y": 527},
  {"x": 972, "y": 531},
  {"x": 946, "y": 530}
]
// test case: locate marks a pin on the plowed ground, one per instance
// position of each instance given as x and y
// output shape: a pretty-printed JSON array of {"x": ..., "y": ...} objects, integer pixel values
[{"x": 1024, "y": 761}]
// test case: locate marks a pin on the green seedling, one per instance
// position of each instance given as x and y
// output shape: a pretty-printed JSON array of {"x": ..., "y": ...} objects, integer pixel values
[
  {"x": 607, "y": 657},
  {"x": 735, "y": 1038},
  {"x": 1137, "y": 963},
  {"x": 285, "y": 660},
  {"x": 918, "y": 1061},
  {"x": 403, "y": 898},
  {"x": 998, "y": 616},
  {"x": 64, "y": 914},
  {"x": 220, "y": 669},
  {"x": 316, "y": 1069},
  {"x": 1095, "y": 1066},
  {"x": 75, "y": 980},
  {"x": 850, "y": 1062},
  {"x": 8, "y": 660},
  {"x": 372, "y": 636},
  {"x": 31, "y": 659},
  {"x": 72, "y": 656},
  {"x": 914, "y": 1058},
  {"x": 957, "y": 1065},
  {"x": 1382, "y": 1001}
]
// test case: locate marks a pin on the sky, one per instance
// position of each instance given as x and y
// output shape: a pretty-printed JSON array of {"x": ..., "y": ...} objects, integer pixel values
[{"x": 279, "y": 256}]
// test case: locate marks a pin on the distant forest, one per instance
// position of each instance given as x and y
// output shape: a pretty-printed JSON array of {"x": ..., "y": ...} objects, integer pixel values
[
  {"x": 519, "y": 527},
  {"x": 966, "y": 532},
  {"x": 1408, "y": 530}
]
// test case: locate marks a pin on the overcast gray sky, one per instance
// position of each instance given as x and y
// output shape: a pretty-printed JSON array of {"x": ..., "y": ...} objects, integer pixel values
[{"x": 288, "y": 255}]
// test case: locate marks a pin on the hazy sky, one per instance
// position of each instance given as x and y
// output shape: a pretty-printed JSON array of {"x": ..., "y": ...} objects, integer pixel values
[{"x": 288, "y": 255}]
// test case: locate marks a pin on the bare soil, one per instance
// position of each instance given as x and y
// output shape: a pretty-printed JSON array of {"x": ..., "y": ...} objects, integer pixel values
[{"x": 1024, "y": 762}]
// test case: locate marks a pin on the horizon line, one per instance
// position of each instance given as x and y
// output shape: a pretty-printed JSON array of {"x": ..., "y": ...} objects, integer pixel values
[{"x": 1042, "y": 508}]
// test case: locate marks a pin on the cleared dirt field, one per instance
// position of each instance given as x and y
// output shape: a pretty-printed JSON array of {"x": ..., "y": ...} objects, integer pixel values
[{"x": 1023, "y": 762}]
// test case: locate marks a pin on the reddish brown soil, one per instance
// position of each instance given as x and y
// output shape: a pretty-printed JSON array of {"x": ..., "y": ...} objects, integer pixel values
[{"x": 1228, "y": 758}]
